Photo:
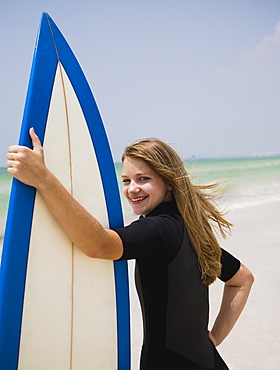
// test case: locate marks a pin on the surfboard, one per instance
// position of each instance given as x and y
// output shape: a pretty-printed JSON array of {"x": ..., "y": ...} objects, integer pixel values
[{"x": 60, "y": 309}]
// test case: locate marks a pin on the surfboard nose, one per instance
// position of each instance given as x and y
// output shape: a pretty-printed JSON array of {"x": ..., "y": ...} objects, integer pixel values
[{"x": 49, "y": 291}]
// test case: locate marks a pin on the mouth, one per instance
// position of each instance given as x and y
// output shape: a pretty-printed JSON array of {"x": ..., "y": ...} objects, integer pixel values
[{"x": 139, "y": 199}]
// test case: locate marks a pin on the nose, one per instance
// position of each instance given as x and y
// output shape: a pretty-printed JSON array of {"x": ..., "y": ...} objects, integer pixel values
[{"x": 133, "y": 188}]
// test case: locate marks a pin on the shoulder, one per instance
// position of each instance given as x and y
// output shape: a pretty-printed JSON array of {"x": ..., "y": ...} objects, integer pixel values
[
  {"x": 230, "y": 265},
  {"x": 151, "y": 236}
]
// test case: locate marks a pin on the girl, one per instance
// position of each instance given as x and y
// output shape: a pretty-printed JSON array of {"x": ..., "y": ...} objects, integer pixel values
[{"x": 176, "y": 252}]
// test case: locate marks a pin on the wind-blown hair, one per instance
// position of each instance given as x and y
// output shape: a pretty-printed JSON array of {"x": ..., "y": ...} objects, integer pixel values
[{"x": 196, "y": 206}]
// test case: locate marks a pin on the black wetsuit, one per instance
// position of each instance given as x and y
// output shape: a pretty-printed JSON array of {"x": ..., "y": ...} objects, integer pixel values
[{"x": 173, "y": 299}]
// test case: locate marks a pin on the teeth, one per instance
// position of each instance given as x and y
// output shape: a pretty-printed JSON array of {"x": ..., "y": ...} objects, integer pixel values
[{"x": 137, "y": 199}]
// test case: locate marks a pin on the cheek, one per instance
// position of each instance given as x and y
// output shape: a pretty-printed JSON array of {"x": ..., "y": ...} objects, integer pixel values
[{"x": 124, "y": 191}]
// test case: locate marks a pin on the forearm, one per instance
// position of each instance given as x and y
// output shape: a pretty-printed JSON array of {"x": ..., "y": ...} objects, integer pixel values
[
  {"x": 80, "y": 226},
  {"x": 233, "y": 302},
  {"x": 27, "y": 165}
]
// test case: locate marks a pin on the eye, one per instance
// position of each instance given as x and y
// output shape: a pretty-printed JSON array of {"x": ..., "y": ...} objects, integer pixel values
[
  {"x": 125, "y": 181},
  {"x": 144, "y": 178}
]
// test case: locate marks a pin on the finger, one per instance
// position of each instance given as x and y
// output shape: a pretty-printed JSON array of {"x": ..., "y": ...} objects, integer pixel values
[
  {"x": 12, "y": 171},
  {"x": 10, "y": 163},
  {"x": 12, "y": 160},
  {"x": 11, "y": 156},
  {"x": 13, "y": 148},
  {"x": 35, "y": 139}
]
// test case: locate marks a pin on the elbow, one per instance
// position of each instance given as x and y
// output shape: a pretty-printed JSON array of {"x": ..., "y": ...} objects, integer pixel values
[
  {"x": 251, "y": 279},
  {"x": 242, "y": 279},
  {"x": 248, "y": 276}
]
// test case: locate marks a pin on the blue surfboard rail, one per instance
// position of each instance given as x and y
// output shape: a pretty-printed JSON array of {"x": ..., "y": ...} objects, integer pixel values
[{"x": 50, "y": 48}]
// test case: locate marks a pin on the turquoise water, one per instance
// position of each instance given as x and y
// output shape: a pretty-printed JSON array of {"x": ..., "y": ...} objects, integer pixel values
[{"x": 248, "y": 181}]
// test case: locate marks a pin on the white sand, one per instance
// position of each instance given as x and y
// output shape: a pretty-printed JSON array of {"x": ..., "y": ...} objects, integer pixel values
[{"x": 254, "y": 343}]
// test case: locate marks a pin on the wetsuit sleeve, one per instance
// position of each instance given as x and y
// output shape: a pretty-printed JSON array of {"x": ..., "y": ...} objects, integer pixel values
[
  {"x": 230, "y": 265},
  {"x": 151, "y": 237}
]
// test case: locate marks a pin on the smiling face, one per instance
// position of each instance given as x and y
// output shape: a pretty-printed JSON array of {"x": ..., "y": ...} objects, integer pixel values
[{"x": 143, "y": 188}]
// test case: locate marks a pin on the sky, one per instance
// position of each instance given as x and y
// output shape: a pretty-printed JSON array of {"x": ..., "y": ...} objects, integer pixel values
[{"x": 203, "y": 75}]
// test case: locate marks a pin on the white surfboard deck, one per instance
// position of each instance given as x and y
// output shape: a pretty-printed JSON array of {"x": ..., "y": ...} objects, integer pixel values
[{"x": 64, "y": 287}]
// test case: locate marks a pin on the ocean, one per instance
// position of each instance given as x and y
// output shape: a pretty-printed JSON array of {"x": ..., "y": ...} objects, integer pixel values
[{"x": 246, "y": 182}]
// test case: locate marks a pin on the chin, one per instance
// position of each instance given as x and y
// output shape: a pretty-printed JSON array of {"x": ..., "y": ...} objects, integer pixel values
[{"x": 137, "y": 213}]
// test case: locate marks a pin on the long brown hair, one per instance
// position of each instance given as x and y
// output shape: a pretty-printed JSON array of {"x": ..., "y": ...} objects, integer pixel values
[{"x": 195, "y": 204}]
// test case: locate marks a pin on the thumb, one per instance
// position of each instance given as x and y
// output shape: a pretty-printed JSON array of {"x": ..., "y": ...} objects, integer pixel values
[{"x": 36, "y": 143}]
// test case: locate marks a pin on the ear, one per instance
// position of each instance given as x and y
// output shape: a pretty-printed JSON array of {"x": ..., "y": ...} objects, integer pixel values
[{"x": 169, "y": 187}]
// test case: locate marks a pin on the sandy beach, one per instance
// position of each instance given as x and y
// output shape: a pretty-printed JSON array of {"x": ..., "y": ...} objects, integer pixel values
[{"x": 254, "y": 343}]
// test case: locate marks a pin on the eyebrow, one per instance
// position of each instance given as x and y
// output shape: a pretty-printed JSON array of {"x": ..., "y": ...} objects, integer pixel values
[{"x": 138, "y": 174}]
